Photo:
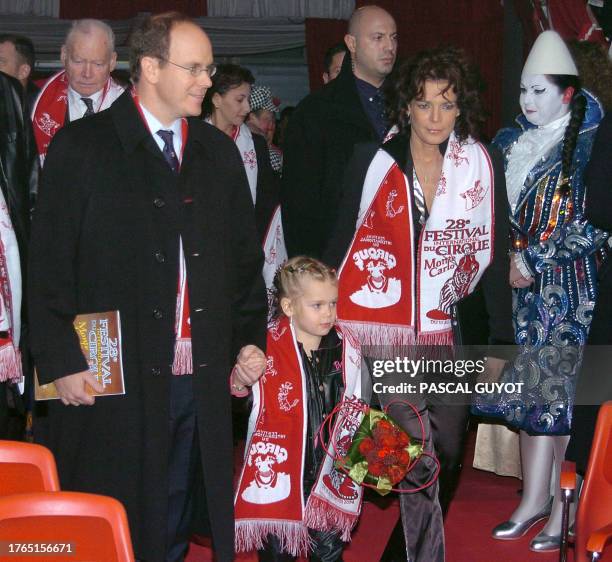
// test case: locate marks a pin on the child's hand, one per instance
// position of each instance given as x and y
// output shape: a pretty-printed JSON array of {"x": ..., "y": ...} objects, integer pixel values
[{"x": 250, "y": 366}]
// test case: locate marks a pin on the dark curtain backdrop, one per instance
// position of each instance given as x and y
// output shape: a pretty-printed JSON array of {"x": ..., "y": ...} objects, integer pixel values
[
  {"x": 475, "y": 25},
  {"x": 121, "y": 9},
  {"x": 321, "y": 34}
]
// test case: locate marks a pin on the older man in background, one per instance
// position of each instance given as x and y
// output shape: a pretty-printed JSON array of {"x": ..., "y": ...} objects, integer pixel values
[
  {"x": 84, "y": 87},
  {"x": 326, "y": 126}
]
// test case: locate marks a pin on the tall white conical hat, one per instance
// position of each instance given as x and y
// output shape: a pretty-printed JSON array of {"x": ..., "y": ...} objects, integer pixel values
[{"x": 550, "y": 55}]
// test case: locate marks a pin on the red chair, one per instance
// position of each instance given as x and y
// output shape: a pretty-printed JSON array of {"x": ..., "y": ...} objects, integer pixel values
[
  {"x": 594, "y": 515},
  {"x": 67, "y": 526},
  {"x": 25, "y": 467}
]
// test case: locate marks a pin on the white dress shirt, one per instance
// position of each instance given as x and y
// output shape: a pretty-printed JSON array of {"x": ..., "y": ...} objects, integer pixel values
[
  {"x": 76, "y": 106},
  {"x": 155, "y": 125}
]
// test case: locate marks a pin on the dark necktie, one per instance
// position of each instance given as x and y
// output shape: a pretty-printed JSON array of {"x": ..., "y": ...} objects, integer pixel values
[
  {"x": 169, "y": 153},
  {"x": 89, "y": 103}
]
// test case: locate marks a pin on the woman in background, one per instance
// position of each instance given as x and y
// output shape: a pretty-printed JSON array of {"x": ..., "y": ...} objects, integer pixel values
[{"x": 226, "y": 106}]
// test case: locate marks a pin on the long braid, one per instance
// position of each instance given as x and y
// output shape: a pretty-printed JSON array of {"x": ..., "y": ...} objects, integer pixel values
[{"x": 578, "y": 110}]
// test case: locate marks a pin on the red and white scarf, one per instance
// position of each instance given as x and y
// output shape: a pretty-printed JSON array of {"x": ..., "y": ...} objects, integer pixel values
[
  {"x": 275, "y": 252},
  {"x": 270, "y": 496},
  {"x": 244, "y": 141},
  {"x": 183, "y": 357},
  {"x": 383, "y": 299},
  {"x": 10, "y": 298},
  {"x": 49, "y": 110}
]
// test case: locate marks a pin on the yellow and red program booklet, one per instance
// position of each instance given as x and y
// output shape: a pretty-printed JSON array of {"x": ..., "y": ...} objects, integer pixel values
[{"x": 100, "y": 338}]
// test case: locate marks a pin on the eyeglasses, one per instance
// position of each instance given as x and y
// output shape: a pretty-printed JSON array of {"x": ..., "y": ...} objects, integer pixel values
[{"x": 196, "y": 69}]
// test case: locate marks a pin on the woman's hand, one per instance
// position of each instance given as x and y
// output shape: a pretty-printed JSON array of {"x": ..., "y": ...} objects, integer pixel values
[{"x": 517, "y": 281}]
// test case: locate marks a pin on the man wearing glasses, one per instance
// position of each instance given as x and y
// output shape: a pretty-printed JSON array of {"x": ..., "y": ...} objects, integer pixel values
[
  {"x": 84, "y": 87},
  {"x": 145, "y": 209}
]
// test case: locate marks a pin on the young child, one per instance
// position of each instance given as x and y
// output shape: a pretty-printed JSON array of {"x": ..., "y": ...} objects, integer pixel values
[{"x": 290, "y": 500}]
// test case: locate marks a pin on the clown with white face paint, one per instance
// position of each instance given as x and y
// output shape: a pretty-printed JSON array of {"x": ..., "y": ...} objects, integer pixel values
[
  {"x": 542, "y": 101},
  {"x": 553, "y": 280}
]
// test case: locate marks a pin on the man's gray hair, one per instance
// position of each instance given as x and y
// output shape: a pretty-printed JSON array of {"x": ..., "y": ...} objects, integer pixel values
[{"x": 87, "y": 26}]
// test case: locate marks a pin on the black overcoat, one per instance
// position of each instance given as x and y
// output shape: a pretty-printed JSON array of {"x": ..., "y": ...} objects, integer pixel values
[
  {"x": 319, "y": 143},
  {"x": 106, "y": 236},
  {"x": 598, "y": 211},
  {"x": 18, "y": 180},
  {"x": 268, "y": 187},
  {"x": 594, "y": 382},
  {"x": 18, "y": 160}
]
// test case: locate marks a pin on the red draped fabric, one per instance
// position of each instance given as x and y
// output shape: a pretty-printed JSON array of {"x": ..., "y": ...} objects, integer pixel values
[
  {"x": 321, "y": 34},
  {"x": 569, "y": 17},
  {"x": 120, "y": 9}
]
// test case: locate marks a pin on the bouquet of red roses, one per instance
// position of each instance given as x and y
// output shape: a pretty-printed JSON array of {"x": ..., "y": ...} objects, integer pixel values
[{"x": 382, "y": 453}]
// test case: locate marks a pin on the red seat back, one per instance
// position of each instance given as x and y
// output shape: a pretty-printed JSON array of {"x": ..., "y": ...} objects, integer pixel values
[
  {"x": 92, "y": 527},
  {"x": 25, "y": 467},
  {"x": 595, "y": 505}
]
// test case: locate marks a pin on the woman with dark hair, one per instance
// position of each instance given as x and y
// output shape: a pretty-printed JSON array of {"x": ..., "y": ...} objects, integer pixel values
[
  {"x": 423, "y": 222},
  {"x": 226, "y": 106},
  {"x": 553, "y": 273}
]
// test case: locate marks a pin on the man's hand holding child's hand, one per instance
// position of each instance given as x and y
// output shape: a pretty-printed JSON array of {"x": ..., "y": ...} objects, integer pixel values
[{"x": 250, "y": 366}]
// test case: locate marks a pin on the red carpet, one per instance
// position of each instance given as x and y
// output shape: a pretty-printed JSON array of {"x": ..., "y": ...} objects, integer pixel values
[
  {"x": 483, "y": 499},
  {"x": 369, "y": 540}
]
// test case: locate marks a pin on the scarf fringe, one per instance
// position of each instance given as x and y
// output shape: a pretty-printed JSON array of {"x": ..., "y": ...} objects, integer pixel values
[
  {"x": 10, "y": 363},
  {"x": 320, "y": 515},
  {"x": 435, "y": 338},
  {"x": 370, "y": 334},
  {"x": 388, "y": 341},
  {"x": 183, "y": 358},
  {"x": 293, "y": 536}
]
